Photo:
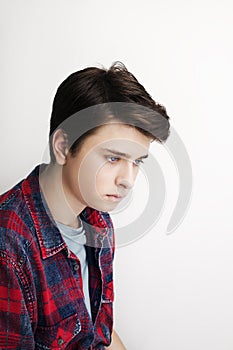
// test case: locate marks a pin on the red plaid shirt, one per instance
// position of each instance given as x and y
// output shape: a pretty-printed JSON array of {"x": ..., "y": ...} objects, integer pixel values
[{"x": 41, "y": 298}]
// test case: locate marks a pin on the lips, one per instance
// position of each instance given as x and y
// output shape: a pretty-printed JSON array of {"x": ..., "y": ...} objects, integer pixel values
[{"x": 114, "y": 197}]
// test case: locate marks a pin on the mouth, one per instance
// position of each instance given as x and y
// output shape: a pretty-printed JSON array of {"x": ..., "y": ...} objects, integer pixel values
[{"x": 114, "y": 197}]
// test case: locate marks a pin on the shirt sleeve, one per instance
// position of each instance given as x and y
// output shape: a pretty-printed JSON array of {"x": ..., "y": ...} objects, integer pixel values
[{"x": 15, "y": 306}]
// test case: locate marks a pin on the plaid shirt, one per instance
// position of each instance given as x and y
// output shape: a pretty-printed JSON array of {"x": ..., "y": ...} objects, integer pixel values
[{"x": 41, "y": 298}]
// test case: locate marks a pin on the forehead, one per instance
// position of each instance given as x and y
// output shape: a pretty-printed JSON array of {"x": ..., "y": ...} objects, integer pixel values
[{"x": 116, "y": 135}]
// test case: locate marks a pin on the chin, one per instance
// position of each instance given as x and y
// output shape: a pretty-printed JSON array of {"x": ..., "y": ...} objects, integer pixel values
[{"x": 103, "y": 206}]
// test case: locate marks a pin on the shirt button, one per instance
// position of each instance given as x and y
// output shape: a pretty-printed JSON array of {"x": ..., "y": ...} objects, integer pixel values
[
  {"x": 76, "y": 267},
  {"x": 95, "y": 303},
  {"x": 60, "y": 341}
]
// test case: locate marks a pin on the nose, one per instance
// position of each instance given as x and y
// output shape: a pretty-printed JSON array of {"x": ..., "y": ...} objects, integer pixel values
[{"x": 126, "y": 175}]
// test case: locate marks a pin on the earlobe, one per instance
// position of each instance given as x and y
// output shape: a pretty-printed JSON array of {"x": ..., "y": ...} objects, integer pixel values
[{"x": 60, "y": 146}]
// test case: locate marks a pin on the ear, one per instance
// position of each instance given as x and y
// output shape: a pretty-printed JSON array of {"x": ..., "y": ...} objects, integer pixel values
[{"x": 60, "y": 146}]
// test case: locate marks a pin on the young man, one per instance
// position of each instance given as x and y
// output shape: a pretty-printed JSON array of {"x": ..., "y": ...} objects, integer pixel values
[{"x": 56, "y": 236}]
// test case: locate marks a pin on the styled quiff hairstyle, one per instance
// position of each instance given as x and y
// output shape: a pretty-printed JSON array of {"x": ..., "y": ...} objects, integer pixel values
[{"x": 107, "y": 87}]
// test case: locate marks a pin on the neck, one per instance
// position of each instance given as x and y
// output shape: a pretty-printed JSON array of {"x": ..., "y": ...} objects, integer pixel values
[{"x": 58, "y": 203}]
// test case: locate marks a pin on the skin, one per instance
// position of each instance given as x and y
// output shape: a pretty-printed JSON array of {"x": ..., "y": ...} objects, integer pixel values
[{"x": 100, "y": 175}]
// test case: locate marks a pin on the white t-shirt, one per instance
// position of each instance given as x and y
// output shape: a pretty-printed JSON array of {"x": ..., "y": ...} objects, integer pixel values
[{"x": 75, "y": 239}]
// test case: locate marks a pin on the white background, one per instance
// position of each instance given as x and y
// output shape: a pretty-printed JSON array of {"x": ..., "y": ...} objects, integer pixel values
[{"x": 176, "y": 291}]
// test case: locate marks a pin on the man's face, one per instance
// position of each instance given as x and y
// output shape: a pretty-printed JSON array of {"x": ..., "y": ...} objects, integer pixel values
[{"x": 104, "y": 170}]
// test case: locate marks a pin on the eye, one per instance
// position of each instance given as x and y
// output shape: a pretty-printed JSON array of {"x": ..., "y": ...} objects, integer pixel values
[
  {"x": 138, "y": 162},
  {"x": 112, "y": 159}
]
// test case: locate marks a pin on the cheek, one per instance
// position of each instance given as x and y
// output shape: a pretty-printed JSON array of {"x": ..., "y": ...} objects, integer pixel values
[
  {"x": 136, "y": 171},
  {"x": 86, "y": 179},
  {"x": 104, "y": 178},
  {"x": 92, "y": 177}
]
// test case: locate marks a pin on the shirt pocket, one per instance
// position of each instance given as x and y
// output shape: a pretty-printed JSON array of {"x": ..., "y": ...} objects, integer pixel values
[{"x": 59, "y": 335}]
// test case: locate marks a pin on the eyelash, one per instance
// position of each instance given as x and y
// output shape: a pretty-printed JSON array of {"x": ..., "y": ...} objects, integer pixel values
[
  {"x": 137, "y": 162},
  {"x": 140, "y": 161},
  {"x": 110, "y": 159}
]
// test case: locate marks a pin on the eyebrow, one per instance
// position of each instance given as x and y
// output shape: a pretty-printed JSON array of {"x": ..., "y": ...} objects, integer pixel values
[{"x": 121, "y": 154}]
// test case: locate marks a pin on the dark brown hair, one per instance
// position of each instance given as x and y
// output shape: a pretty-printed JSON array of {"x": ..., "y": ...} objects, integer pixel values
[{"x": 95, "y": 86}]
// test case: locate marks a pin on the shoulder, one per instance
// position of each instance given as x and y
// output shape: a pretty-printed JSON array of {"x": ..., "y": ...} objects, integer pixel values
[{"x": 15, "y": 222}]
